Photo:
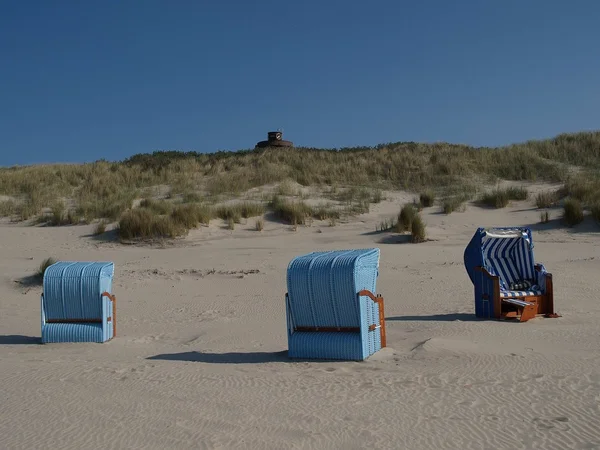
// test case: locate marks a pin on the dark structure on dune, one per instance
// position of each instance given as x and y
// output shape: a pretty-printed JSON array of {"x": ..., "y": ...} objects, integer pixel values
[{"x": 274, "y": 139}]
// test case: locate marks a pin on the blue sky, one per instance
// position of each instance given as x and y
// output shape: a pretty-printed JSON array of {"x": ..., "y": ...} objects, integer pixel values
[{"x": 85, "y": 80}]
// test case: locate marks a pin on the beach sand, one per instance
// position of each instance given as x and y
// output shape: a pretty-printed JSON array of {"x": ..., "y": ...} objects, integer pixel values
[{"x": 200, "y": 359}]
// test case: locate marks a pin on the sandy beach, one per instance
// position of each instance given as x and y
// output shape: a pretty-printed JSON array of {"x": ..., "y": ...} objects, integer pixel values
[{"x": 200, "y": 358}]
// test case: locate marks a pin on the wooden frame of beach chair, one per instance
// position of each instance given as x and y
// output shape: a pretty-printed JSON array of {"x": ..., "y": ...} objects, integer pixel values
[{"x": 522, "y": 307}]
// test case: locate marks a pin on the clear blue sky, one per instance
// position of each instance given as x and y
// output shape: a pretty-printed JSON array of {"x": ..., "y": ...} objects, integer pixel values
[{"x": 84, "y": 80}]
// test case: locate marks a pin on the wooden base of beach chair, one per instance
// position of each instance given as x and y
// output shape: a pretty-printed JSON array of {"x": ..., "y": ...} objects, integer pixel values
[{"x": 523, "y": 310}]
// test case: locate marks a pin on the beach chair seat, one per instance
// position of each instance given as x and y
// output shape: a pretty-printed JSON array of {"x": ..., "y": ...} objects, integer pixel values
[
  {"x": 517, "y": 294},
  {"x": 77, "y": 304},
  {"x": 507, "y": 281},
  {"x": 72, "y": 332},
  {"x": 331, "y": 309}
]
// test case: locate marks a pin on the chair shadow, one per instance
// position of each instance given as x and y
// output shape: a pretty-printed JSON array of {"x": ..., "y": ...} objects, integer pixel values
[
  {"x": 16, "y": 339},
  {"x": 463, "y": 317},
  {"x": 588, "y": 225},
  {"x": 395, "y": 239},
  {"x": 106, "y": 237},
  {"x": 232, "y": 357}
]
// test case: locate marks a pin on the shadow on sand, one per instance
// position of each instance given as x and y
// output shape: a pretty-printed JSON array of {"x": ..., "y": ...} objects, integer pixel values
[
  {"x": 16, "y": 339},
  {"x": 463, "y": 317},
  {"x": 107, "y": 236},
  {"x": 233, "y": 357},
  {"x": 589, "y": 225}
]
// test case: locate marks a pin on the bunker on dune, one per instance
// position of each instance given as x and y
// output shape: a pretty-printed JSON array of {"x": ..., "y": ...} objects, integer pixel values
[{"x": 274, "y": 139}]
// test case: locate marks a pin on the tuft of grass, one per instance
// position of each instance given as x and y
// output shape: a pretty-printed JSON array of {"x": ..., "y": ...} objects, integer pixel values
[
  {"x": 160, "y": 207},
  {"x": 142, "y": 224},
  {"x": 406, "y": 217},
  {"x": 238, "y": 210},
  {"x": 546, "y": 199},
  {"x": 231, "y": 224},
  {"x": 451, "y": 204},
  {"x": 427, "y": 198},
  {"x": 191, "y": 197},
  {"x": 39, "y": 276},
  {"x": 517, "y": 193},
  {"x": 573, "y": 212},
  {"x": 325, "y": 211},
  {"x": 544, "y": 217},
  {"x": 259, "y": 225},
  {"x": 586, "y": 190},
  {"x": 8, "y": 208},
  {"x": 287, "y": 189},
  {"x": 186, "y": 215},
  {"x": 332, "y": 221},
  {"x": 498, "y": 198},
  {"x": 387, "y": 224},
  {"x": 417, "y": 230},
  {"x": 377, "y": 196},
  {"x": 294, "y": 212},
  {"x": 100, "y": 228}
]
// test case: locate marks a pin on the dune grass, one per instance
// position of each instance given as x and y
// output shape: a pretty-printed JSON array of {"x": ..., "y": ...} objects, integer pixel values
[
  {"x": 143, "y": 224},
  {"x": 39, "y": 275},
  {"x": 427, "y": 198},
  {"x": 573, "y": 212},
  {"x": 546, "y": 199},
  {"x": 354, "y": 177},
  {"x": 417, "y": 230},
  {"x": 406, "y": 217}
]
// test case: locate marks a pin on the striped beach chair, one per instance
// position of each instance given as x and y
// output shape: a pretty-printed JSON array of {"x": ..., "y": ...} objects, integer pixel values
[
  {"x": 77, "y": 302},
  {"x": 331, "y": 307},
  {"x": 507, "y": 281}
]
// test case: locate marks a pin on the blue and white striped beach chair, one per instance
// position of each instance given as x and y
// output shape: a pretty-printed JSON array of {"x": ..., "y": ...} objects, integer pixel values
[
  {"x": 332, "y": 310},
  {"x": 507, "y": 281},
  {"x": 77, "y": 302}
]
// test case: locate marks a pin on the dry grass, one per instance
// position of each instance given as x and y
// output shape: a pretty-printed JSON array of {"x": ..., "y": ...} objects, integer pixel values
[
  {"x": 546, "y": 199},
  {"x": 354, "y": 177},
  {"x": 237, "y": 211},
  {"x": 498, "y": 198},
  {"x": 544, "y": 217},
  {"x": 39, "y": 275},
  {"x": 143, "y": 224},
  {"x": 190, "y": 215},
  {"x": 406, "y": 217},
  {"x": 417, "y": 230},
  {"x": 259, "y": 225},
  {"x": 573, "y": 212},
  {"x": 100, "y": 228},
  {"x": 427, "y": 198},
  {"x": 291, "y": 211}
]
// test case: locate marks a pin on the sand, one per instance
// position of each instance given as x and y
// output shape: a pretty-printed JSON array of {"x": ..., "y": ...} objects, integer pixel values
[{"x": 200, "y": 357}]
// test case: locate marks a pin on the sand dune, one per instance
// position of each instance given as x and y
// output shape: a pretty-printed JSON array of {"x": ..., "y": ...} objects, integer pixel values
[{"x": 200, "y": 360}]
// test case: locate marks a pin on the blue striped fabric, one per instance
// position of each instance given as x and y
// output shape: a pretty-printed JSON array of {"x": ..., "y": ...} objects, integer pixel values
[
  {"x": 72, "y": 332},
  {"x": 325, "y": 345},
  {"x": 72, "y": 289},
  {"x": 514, "y": 301},
  {"x": 510, "y": 258},
  {"x": 507, "y": 294},
  {"x": 322, "y": 292}
]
